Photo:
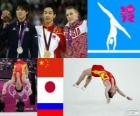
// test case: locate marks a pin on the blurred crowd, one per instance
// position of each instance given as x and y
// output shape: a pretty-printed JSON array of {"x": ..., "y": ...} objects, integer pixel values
[{"x": 6, "y": 67}]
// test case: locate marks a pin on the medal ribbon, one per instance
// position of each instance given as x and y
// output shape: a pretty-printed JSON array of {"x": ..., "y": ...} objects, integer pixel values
[
  {"x": 69, "y": 38},
  {"x": 47, "y": 44},
  {"x": 21, "y": 34}
]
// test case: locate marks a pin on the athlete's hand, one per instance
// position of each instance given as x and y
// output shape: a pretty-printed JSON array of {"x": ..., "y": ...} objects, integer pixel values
[
  {"x": 30, "y": 91},
  {"x": 68, "y": 52},
  {"x": 6, "y": 17},
  {"x": 3, "y": 92},
  {"x": 108, "y": 100},
  {"x": 129, "y": 98}
]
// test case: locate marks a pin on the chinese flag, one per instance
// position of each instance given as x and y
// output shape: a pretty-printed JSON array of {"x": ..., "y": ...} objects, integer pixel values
[{"x": 50, "y": 67}]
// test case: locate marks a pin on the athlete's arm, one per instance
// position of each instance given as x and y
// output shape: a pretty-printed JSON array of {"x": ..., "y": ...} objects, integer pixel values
[
  {"x": 27, "y": 71},
  {"x": 29, "y": 85},
  {"x": 112, "y": 83},
  {"x": 6, "y": 85},
  {"x": 106, "y": 93},
  {"x": 108, "y": 86},
  {"x": 113, "y": 88}
]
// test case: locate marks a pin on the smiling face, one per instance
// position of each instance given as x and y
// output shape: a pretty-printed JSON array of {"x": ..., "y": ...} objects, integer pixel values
[
  {"x": 72, "y": 15},
  {"x": 48, "y": 16}
]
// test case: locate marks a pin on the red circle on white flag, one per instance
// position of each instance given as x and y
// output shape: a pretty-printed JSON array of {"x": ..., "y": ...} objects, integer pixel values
[{"x": 50, "y": 87}]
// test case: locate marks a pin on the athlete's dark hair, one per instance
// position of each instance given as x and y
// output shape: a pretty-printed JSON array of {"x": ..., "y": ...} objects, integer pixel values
[
  {"x": 110, "y": 95},
  {"x": 19, "y": 90},
  {"x": 50, "y": 5},
  {"x": 23, "y": 4}
]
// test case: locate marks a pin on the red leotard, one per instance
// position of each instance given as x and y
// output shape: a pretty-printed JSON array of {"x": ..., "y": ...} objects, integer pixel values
[
  {"x": 98, "y": 68},
  {"x": 101, "y": 68}
]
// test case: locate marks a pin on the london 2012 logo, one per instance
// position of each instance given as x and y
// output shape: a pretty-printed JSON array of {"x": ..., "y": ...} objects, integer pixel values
[{"x": 113, "y": 28}]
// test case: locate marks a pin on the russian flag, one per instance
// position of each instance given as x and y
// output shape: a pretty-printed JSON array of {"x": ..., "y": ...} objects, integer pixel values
[{"x": 50, "y": 87}]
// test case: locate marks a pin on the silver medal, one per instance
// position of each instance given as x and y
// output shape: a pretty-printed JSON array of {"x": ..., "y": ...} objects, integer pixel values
[{"x": 19, "y": 50}]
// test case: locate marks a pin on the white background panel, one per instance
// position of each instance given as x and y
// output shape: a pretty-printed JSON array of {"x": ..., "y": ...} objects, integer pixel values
[{"x": 92, "y": 102}]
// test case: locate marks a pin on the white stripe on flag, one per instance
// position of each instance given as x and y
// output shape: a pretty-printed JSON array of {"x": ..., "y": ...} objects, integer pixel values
[{"x": 46, "y": 97}]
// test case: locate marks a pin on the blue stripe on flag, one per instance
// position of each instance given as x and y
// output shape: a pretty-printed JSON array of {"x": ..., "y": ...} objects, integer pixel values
[{"x": 50, "y": 106}]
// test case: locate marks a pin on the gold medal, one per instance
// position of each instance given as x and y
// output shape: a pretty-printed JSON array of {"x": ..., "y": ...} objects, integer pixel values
[
  {"x": 47, "y": 54},
  {"x": 19, "y": 50}
]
